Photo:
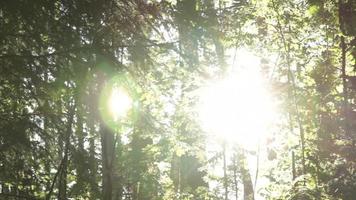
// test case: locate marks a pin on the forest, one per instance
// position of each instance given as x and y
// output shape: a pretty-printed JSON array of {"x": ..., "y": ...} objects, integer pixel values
[{"x": 178, "y": 99}]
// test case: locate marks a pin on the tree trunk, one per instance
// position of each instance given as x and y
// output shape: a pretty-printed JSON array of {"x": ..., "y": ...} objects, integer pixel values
[
  {"x": 344, "y": 84},
  {"x": 92, "y": 121},
  {"x": 246, "y": 177},
  {"x": 107, "y": 146},
  {"x": 293, "y": 166},
  {"x": 235, "y": 164},
  {"x": 62, "y": 186},
  {"x": 225, "y": 173}
]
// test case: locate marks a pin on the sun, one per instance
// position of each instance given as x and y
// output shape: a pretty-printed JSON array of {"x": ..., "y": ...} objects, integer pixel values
[
  {"x": 119, "y": 103},
  {"x": 116, "y": 102},
  {"x": 239, "y": 108}
]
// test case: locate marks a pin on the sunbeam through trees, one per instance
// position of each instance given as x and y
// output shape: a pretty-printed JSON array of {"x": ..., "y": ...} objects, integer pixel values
[{"x": 178, "y": 99}]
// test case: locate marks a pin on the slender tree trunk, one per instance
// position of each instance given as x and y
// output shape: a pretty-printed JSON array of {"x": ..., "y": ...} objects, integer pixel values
[
  {"x": 47, "y": 166},
  {"x": 92, "y": 121},
  {"x": 235, "y": 178},
  {"x": 106, "y": 134},
  {"x": 107, "y": 146},
  {"x": 225, "y": 173},
  {"x": 344, "y": 85},
  {"x": 81, "y": 167},
  {"x": 118, "y": 186},
  {"x": 246, "y": 177},
  {"x": 257, "y": 164},
  {"x": 62, "y": 190},
  {"x": 94, "y": 191}
]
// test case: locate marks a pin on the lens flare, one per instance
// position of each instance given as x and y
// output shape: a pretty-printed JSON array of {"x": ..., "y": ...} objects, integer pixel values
[{"x": 119, "y": 103}]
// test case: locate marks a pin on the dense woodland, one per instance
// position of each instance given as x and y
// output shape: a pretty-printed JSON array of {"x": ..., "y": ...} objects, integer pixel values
[{"x": 60, "y": 59}]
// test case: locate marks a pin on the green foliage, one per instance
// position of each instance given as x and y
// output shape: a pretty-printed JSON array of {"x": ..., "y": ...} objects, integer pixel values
[{"x": 58, "y": 60}]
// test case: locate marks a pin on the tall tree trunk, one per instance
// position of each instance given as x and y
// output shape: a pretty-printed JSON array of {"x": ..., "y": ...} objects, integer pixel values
[
  {"x": 118, "y": 186},
  {"x": 62, "y": 186},
  {"x": 235, "y": 164},
  {"x": 246, "y": 177},
  {"x": 107, "y": 147},
  {"x": 92, "y": 135},
  {"x": 344, "y": 84},
  {"x": 106, "y": 134},
  {"x": 93, "y": 168},
  {"x": 225, "y": 172},
  {"x": 81, "y": 167},
  {"x": 47, "y": 166}
]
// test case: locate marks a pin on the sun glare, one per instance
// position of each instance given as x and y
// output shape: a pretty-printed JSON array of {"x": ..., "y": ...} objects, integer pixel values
[
  {"x": 239, "y": 108},
  {"x": 119, "y": 103}
]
